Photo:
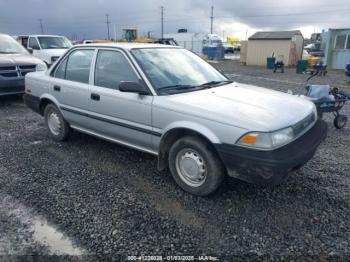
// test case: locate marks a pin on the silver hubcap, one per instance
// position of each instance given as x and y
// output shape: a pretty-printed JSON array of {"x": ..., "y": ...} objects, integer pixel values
[
  {"x": 54, "y": 124},
  {"x": 191, "y": 167}
]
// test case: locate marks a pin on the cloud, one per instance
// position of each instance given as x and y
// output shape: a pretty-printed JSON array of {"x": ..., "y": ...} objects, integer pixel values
[{"x": 86, "y": 18}]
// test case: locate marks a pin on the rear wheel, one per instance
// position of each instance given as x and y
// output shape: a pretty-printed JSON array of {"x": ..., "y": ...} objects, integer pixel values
[
  {"x": 195, "y": 166},
  {"x": 56, "y": 125},
  {"x": 340, "y": 121}
]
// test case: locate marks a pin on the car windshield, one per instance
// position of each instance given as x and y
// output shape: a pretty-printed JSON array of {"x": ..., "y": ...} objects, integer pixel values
[
  {"x": 50, "y": 42},
  {"x": 8, "y": 45},
  {"x": 173, "y": 70}
]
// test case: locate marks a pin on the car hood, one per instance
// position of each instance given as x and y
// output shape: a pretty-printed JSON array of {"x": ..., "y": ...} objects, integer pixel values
[
  {"x": 18, "y": 59},
  {"x": 244, "y": 106},
  {"x": 53, "y": 52}
]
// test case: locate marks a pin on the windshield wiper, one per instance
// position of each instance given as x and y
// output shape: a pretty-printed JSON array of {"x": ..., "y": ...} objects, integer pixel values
[
  {"x": 198, "y": 87},
  {"x": 176, "y": 87},
  {"x": 215, "y": 83}
]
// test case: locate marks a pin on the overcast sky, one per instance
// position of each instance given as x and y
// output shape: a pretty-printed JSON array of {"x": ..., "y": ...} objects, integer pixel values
[{"x": 86, "y": 18}]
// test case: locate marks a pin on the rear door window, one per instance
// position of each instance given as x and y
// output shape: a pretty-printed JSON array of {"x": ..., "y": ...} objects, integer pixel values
[{"x": 78, "y": 66}]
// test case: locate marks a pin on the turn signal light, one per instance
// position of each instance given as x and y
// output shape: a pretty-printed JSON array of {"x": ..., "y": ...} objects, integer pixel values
[{"x": 249, "y": 139}]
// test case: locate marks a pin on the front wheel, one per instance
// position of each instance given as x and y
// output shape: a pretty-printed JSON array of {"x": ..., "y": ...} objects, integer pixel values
[
  {"x": 55, "y": 123},
  {"x": 195, "y": 166}
]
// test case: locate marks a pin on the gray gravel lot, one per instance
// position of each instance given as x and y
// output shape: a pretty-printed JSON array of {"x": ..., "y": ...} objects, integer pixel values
[{"x": 111, "y": 201}]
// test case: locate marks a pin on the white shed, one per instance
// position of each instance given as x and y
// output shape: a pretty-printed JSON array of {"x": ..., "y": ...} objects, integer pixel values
[{"x": 286, "y": 44}]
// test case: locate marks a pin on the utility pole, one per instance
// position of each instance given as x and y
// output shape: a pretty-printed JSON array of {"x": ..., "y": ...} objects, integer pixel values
[
  {"x": 107, "y": 23},
  {"x": 115, "y": 33},
  {"x": 162, "y": 20},
  {"x": 212, "y": 19},
  {"x": 41, "y": 26}
]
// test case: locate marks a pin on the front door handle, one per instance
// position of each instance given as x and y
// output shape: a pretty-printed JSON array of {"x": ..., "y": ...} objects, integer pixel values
[
  {"x": 57, "y": 88},
  {"x": 95, "y": 97}
]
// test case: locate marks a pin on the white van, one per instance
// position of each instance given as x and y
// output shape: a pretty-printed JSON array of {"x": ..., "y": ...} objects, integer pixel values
[{"x": 46, "y": 47}]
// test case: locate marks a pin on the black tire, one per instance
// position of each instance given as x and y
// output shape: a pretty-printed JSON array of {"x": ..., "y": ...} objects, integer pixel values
[
  {"x": 215, "y": 171},
  {"x": 340, "y": 121},
  {"x": 63, "y": 130}
]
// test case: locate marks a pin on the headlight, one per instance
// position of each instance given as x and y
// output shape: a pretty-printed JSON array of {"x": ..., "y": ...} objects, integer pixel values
[
  {"x": 41, "y": 67},
  {"x": 267, "y": 140}
]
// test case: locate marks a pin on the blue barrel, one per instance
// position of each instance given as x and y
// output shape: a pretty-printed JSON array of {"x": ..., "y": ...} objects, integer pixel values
[
  {"x": 214, "y": 53},
  {"x": 270, "y": 62},
  {"x": 209, "y": 52}
]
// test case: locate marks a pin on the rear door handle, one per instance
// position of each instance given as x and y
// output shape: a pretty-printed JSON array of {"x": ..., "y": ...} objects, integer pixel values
[
  {"x": 95, "y": 97},
  {"x": 57, "y": 88}
]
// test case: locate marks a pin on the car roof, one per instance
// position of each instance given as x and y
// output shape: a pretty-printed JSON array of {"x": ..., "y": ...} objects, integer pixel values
[
  {"x": 40, "y": 36},
  {"x": 128, "y": 46}
]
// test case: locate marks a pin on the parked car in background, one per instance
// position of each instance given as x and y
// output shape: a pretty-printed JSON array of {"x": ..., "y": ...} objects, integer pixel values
[
  {"x": 85, "y": 42},
  {"x": 347, "y": 70},
  {"x": 306, "y": 55},
  {"x": 166, "y": 41},
  {"x": 46, "y": 47},
  {"x": 238, "y": 47},
  {"x": 228, "y": 48},
  {"x": 167, "y": 101},
  {"x": 15, "y": 63},
  {"x": 314, "y": 49}
]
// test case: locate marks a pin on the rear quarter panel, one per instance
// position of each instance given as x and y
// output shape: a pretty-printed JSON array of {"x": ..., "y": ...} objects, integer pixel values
[{"x": 38, "y": 84}]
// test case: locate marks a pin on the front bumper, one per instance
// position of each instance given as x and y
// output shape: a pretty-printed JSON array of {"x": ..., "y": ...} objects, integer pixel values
[
  {"x": 347, "y": 72},
  {"x": 11, "y": 87},
  {"x": 271, "y": 167}
]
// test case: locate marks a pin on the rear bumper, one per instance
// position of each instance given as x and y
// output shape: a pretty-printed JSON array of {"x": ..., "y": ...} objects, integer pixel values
[
  {"x": 33, "y": 102},
  {"x": 271, "y": 167},
  {"x": 11, "y": 87}
]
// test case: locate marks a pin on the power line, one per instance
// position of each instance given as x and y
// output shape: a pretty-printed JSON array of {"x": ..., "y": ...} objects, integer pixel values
[
  {"x": 212, "y": 19},
  {"x": 162, "y": 21},
  {"x": 41, "y": 26},
  {"x": 107, "y": 23}
]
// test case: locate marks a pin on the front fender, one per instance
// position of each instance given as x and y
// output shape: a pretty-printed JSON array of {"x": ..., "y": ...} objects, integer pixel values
[
  {"x": 196, "y": 127},
  {"x": 167, "y": 138}
]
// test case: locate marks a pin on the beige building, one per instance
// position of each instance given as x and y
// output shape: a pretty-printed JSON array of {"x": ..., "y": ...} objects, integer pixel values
[{"x": 287, "y": 45}]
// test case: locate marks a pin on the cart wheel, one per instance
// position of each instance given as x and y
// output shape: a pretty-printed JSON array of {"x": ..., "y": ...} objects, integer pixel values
[{"x": 340, "y": 121}]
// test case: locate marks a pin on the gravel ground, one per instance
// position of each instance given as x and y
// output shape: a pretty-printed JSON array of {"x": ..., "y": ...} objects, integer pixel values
[{"x": 112, "y": 202}]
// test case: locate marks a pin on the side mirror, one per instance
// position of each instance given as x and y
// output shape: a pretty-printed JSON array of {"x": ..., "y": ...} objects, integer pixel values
[
  {"x": 134, "y": 87},
  {"x": 30, "y": 50}
]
